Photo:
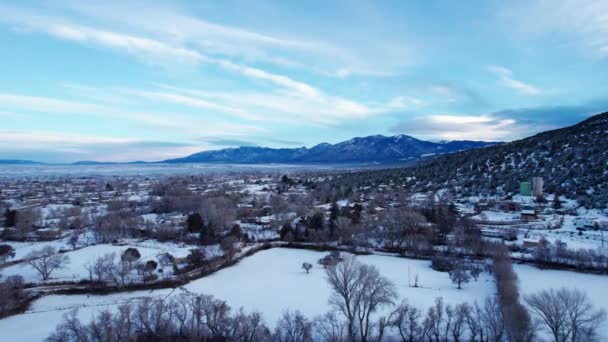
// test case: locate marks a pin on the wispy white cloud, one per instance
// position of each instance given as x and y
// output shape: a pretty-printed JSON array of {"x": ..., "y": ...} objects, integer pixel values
[
  {"x": 157, "y": 30},
  {"x": 292, "y": 105},
  {"x": 192, "y": 102},
  {"x": 506, "y": 77},
  {"x": 582, "y": 24},
  {"x": 144, "y": 48},
  {"x": 193, "y": 125},
  {"x": 459, "y": 127},
  {"x": 306, "y": 101},
  {"x": 74, "y": 147}
]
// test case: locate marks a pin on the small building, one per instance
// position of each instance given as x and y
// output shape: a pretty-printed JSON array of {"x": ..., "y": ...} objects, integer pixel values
[
  {"x": 48, "y": 234},
  {"x": 584, "y": 223},
  {"x": 530, "y": 243},
  {"x": 528, "y": 215},
  {"x": 510, "y": 206}
]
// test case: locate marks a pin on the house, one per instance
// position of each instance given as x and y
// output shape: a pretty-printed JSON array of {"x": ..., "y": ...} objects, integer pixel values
[
  {"x": 48, "y": 234},
  {"x": 528, "y": 215},
  {"x": 530, "y": 243},
  {"x": 584, "y": 223},
  {"x": 510, "y": 206},
  {"x": 505, "y": 234}
]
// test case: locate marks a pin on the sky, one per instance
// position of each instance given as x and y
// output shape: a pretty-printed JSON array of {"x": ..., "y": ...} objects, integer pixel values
[{"x": 152, "y": 80}]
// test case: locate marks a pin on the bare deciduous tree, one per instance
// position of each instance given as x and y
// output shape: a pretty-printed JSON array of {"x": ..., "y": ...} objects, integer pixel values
[
  {"x": 26, "y": 219},
  {"x": 568, "y": 314},
  {"x": 307, "y": 267},
  {"x": 46, "y": 260},
  {"x": 358, "y": 291},
  {"x": 73, "y": 239},
  {"x": 228, "y": 247},
  {"x": 293, "y": 327},
  {"x": 406, "y": 319},
  {"x": 459, "y": 275},
  {"x": 344, "y": 228},
  {"x": 329, "y": 328}
]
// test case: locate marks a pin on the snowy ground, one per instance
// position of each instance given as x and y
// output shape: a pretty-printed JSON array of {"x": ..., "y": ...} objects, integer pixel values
[
  {"x": 272, "y": 281},
  {"x": 22, "y": 249},
  {"x": 75, "y": 270},
  {"x": 496, "y": 216},
  {"x": 276, "y": 282},
  {"x": 567, "y": 233}
]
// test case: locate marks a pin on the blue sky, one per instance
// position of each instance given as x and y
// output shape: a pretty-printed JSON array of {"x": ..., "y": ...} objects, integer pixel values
[{"x": 134, "y": 80}]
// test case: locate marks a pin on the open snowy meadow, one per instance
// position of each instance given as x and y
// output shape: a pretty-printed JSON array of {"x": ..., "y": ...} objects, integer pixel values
[{"x": 272, "y": 281}]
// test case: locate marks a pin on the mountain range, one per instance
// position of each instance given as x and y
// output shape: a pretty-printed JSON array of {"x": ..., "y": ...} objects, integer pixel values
[
  {"x": 18, "y": 162},
  {"x": 371, "y": 149},
  {"x": 376, "y": 149}
]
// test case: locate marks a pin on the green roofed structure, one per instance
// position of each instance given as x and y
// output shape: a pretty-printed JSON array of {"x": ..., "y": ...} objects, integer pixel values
[{"x": 525, "y": 188}]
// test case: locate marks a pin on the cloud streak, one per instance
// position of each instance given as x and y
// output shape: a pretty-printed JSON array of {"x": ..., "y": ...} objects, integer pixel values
[
  {"x": 579, "y": 23},
  {"x": 503, "y": 125},
  {"x": 506, "y": 77},
  {"x": 296, "y": 98},
  {"x": 458, "y": 127},
  {"x": 73, "y": 147}
]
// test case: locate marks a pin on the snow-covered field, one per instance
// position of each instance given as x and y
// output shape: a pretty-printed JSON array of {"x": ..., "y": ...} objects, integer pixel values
[
  {"x": 22, "y": 249},
  {"x": 496, "y": 216},
  {"x": 275, "y": 282},
  {"x": 79, "y": 258},
  {"x": 272, "y": 281}
]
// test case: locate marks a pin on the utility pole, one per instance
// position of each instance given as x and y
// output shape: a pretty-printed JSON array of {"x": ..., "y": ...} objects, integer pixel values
[{"x": 409, "y": 278}]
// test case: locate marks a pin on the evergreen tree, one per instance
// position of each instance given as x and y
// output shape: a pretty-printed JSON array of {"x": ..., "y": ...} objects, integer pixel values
[
  {"x": 285, "y": 230},
  {"x": 557, "y": 203},
  {"x": 206, "y": 234},
  {"x": 194, "y": 223},
  {"x": 10, "y": 218}
]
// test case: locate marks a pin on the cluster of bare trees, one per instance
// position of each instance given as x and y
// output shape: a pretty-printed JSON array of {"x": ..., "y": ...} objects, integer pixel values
[
  {"x": 119, "y": 270},
  {"x": 567, "y": 314},
  {"x": 12, "y": 295},
  {"x": 406, "y": 229},
  {"x": 174, "y": 196},
  {"x": 558, "y": 253},
  {"x": 21, "y": 223},
  {"x": 359, "y": 292},
  {"x": 462, "y": 322},
  {"x": 180, "y": 318},
  {"x": 114, "y": 226},
  {"x": 517, "y": 321}
]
